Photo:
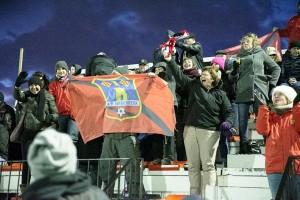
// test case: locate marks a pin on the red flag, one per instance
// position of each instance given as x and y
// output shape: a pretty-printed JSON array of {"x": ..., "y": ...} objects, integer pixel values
[
  {"x": 112, "y": 104},
  {"x": 270, "y": 40}
]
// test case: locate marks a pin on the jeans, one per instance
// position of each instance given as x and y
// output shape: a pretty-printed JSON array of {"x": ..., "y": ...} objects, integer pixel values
[
  {"x": 235, "y": 110},
  {"x": 224, "y": 149},
  {"x": 243, "y": 109},
  {"x": 68, "y": 125},
  {"x": 274, "y": 182}
]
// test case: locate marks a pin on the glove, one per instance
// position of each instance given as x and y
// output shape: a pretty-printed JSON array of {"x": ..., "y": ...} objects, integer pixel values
[
  {"x": 49, "y": 118},
  {"x": 260, "y": 97},
  {"x": 227, "y": 133},
  {"x": 225, "y": 126},
  {"x": 21, "y": 79}
]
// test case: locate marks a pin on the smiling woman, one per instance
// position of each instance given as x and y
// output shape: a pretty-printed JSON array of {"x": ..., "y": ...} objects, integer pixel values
[{"x": 208, "y": 113}]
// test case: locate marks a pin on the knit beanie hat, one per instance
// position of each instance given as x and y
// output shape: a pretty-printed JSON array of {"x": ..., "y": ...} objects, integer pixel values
[
  {"x": 52, "y": 153},
  {"x": 288, "y": 91},
  {"x": 122, "y": 70},
  {"x": 35, "y": 80},
  {"x": 218, "y": 60},
  {"x": 61, "y": 64},
  {"x": 295, "y": 43}
]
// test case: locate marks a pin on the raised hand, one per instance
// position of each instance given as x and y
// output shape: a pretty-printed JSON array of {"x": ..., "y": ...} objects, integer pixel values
[{"x": 21, "y": 79}]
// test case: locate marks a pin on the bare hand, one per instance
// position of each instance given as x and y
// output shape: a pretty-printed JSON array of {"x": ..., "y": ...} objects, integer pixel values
[
  {"x": 151, "y": 75},
  {"x": 292, "y": 80}
]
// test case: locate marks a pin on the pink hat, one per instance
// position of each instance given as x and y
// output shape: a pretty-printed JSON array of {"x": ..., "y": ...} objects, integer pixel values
[{"x": 218, "y": 60}]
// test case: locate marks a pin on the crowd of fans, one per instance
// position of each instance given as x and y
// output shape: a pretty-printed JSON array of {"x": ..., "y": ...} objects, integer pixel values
[{"x": 211, "y": 103}]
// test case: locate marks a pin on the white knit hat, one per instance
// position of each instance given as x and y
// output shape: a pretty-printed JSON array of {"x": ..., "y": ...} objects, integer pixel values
[
  {"x": 288, "y": 91},
  {"x": 52, "y": 152}
]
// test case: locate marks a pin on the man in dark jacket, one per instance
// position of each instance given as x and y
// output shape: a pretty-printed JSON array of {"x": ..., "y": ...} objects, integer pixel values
[
  {"x": 100, "y": 64},
  {"x": 191, "y": 49}
]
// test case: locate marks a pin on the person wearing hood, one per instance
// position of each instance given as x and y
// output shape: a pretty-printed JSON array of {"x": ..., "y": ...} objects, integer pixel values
[
  {"x": 66, "y": 122},
  {"x": 53, "y": 161},
  {"x": 249, "y": 74},
  {"x": 75, "y": 69},
  {"x": 281, "y": 126},
  {"x": 208, "y": 114},
  {"x": 40, "y": 112}
]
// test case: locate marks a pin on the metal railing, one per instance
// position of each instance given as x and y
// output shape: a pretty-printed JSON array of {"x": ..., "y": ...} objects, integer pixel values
[
  {"x": 122, "y": 179},
  {"x": 288, "y": 185}
]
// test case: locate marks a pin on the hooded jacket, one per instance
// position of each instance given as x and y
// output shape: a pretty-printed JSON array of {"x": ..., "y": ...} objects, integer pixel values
[{"x": 283, "y": 138}]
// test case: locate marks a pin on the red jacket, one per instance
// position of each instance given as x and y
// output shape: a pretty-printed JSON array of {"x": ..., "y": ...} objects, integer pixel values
[
  {"x": 292, "y": 29},
  {"x": 283, "y": 137},
  {"x": 61, "y": 100}
]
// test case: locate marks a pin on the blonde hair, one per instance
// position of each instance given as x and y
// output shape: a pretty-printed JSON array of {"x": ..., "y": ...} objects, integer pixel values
[
  {"x": 255, "y": 42},
  {"x": 214, "y": 75}
]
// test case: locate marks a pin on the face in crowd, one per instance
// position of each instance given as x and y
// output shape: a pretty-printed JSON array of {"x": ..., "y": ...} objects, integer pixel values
[
  {"x": 187, "y": 63},
  {"x": 61, "y": 72},
  {"x": 295, "y": 51},
  {"x": 189, "y": 41},
  {"x": 34, "y": 88},
  {"x": 279, "y": 99}
]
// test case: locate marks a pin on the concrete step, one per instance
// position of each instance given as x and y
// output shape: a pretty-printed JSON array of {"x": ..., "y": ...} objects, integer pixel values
[{"x": 246, "y": 161}]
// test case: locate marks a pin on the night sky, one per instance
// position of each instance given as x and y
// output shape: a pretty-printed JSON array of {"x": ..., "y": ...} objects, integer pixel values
[{"x": 126, "y": 30}]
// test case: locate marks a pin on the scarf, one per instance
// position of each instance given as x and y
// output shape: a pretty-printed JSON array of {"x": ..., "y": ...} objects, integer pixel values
[
  {"x": 40, "y": 98},
  {"x": 282, "y": 109},
  {"x": 192, "y": 72},
  {"x": 62, "y": 78}
]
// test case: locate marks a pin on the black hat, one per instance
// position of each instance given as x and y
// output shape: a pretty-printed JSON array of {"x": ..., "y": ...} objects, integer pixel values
[
  {"x": 295, "y": 43},
  {"x": 143, "y": 62},
  {"x": 35, "y": 80},
  {"x": 220, "y": 52},
  {"x": 191, "y": 35}
]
